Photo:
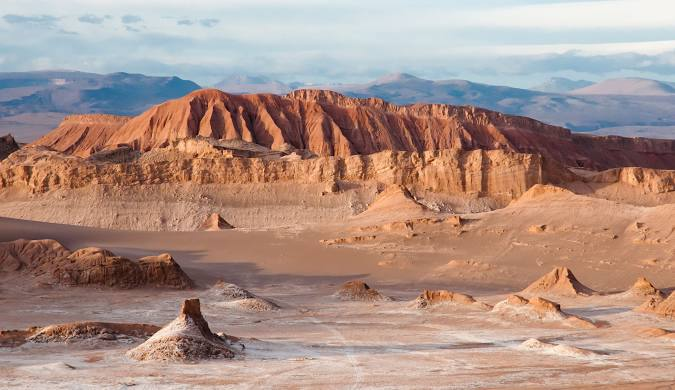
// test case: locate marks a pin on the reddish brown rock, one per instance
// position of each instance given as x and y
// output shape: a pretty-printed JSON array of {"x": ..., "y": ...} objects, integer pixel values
[
  {"x": 644, "y": 288},
  {"x": 430, "y": 298},
  {"x": 560, "y": 281},
  {"x": 74, "y": 134},
  {"x": 48, "y": 262},
  {"x": 95, "y": 266},
  {"x": 658, "y": 305},
  {"x": 358, "y": 290},
  {"x": 20, "y": 255},
  {"x": 329, "y": 124},
  {"x": 16, "y": 337}
]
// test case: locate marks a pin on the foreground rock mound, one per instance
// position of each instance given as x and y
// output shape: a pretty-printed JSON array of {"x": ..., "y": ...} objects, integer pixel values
[
  {"x": 539, "y": 309},
  {"x": 215, "y": 222},
  {"x": 658, "y": 305},
  {"x": 643, "y": 288},
  {"x": 7, "y": 146},
  {"x": 430, "y": 298},
  {"x": 91, "y": 330},
  {"x": 29, "y": 255},
  {"x": 558, "y": 349},
  {"x": 95, "y": 266},
  {"x": 77, "y": 331},
  {"x": 16, "y": 337},
  {"x": 358, "y": 290},
  {"x": 561, "y": 281},
  {"x": 49, "y": 263},
  {"x": 234, "y": 297},
  {"x": 187, "y": 338}
]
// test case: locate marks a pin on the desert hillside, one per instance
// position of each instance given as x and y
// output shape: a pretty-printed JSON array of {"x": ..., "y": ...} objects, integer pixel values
[
  {"x": 245, "y": 157},
  {"x": 329, "y": 124}
]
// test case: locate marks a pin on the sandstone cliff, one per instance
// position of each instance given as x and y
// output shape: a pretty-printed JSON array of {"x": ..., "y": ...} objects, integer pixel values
[
  {"x": 499, "y": 174},
  {"x": 329, "y": 124},
  {"x": 649, "y": 180}
]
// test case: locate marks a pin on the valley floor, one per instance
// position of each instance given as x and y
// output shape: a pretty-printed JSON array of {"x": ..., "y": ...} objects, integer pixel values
[{"x": 316, "y": 340}]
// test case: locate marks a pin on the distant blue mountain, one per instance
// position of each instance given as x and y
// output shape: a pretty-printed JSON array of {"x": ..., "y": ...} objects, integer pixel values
[
  {"x": 32, "y": 103},
  {"x": 79, "y": 92}
]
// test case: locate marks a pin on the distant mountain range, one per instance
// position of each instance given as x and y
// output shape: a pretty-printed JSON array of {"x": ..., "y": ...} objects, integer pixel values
[
  {"x": 561, "y": 85},
  {"x": 242, "y": 84},
  {"x": 620, "y": 104},
  {"x": 32, "y": 103}
]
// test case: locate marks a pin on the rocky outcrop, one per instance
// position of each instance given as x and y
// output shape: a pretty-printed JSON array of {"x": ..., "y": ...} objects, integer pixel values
[
  {"x": 544, "y": 347},
  {"x": 215, "y": 222},
  {"x": 658, "y": 305},
  {"x": 29, "y": 255},
  {"x": 561, "y": 281},
  {"x": 655, "y": 181},
  {"x": 48, "y": 262},
  {"x": 643, "y": 288},
  {"x": 430, "y": 298},
  {"x": 187, "y": 338},
  {"x": 99, "y": 267},
  {"x": 7, "y": 146},
  {"x": 234, "y": 297},
  {"x": 539, "y": 309},
  {"x": 497, "y": 174},
  {"x": 358, "y": 290},
  {"x": 76, "y": 331},
  {"x": 329, "y": 124},
  {"x": 16, "y": 337}
]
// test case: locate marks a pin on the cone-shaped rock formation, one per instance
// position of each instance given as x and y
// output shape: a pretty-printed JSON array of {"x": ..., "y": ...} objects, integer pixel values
[
  {"x": 560, "y": 281},
  {"x": 215, "y": 222},
  {"x": 187, "y": 338}
]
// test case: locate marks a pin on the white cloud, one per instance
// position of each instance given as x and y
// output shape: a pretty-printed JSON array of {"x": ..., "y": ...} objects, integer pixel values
[
  {"x": 573, "y": 15},
  {"x": 321, "y": 39}
]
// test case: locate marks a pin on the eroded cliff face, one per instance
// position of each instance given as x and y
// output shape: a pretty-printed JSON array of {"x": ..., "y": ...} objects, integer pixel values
[
  {"x": 329, "y": 124},
  {"x": 81, "y": 135},
  {"x": 497, "y": 174},
  {"x": 648, "y": 180}
]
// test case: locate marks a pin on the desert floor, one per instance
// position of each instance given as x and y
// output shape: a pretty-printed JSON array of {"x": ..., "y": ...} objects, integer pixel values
[{"x": 316, "y": 340}]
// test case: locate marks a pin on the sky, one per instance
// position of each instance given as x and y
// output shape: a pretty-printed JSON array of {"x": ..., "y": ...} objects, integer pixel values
[{"x": 508, "y": 42}]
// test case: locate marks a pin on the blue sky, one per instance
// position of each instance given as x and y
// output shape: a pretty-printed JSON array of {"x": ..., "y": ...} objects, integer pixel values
[{"x": 507, "y": 42}]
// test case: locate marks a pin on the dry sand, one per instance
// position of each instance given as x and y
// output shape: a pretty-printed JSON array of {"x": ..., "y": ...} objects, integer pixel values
[{"x": 315, "y": 340}]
